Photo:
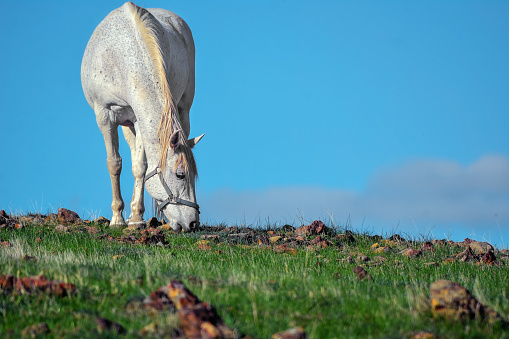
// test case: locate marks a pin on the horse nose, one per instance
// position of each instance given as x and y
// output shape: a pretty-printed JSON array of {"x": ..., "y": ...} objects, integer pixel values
[{"x": 194, "y": 225}]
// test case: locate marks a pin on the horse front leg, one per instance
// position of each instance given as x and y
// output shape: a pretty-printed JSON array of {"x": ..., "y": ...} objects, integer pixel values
[
  {"x": 114, "y": 163},
  {"x": 139, "y": 162}
]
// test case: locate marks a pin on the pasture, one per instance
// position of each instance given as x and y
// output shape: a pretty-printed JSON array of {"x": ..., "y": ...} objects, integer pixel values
[{"x": 260, "y": 281}]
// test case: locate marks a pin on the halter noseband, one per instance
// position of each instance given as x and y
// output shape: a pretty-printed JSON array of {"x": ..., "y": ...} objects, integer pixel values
[{"x": 171, "y": 198}]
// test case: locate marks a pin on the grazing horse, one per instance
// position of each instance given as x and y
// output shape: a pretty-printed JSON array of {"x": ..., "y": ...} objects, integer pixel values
[{"x": 138, "y": 72}]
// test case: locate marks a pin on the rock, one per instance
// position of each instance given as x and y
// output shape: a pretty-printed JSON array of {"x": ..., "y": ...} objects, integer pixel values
[
  {"x": 397, "y": 238},
  {"x": 284, "y": 248},
  {"x": 35, "y": 330},
  {"x": 383, "y": 249},
  {"x": 479, "y": 247},
  {"x": 452, "y": 301},
  {"x": 288, "y": 228},
  {"x": 36, "y": 284},
  {"x": 488, "y": 258},
  {"x": 292, "y": 333},
  {"x": 4, "y": 214},
  {"x": 411, "y": 253},
  {"x": 67, "y": 217},
  {"x": 467, "y": 255},
  {"x": 361, "y": 273},
  {"x": 427, "y": 246},
  {"x": 423, "y": 335},
  {"x": 131, "y": 230},
  {"x": 197, "y": 319},
  {"x": 319, "y": 242},
  {"x": 391, "y": 243},
  {"x": 315, "y": 228},
  {"x": 102, "y": 221},
  {"x": 441, "y": 242},
  {"x": 104, "y": 325},
  {"x": 6, "y": 243},
  {"x": 274, "y": 239}
]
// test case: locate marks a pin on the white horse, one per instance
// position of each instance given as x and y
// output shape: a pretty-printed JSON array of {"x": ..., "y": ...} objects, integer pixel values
[{"x": 138, "y": 72}]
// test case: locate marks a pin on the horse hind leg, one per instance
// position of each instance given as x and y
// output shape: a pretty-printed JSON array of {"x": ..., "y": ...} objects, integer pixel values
[
  {"x": 139, "y": 166},
  {"x": 114, "y": 162}
]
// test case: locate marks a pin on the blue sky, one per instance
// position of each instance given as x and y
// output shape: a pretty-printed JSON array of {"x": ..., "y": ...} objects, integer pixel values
[{"x": 391, "y": 116}]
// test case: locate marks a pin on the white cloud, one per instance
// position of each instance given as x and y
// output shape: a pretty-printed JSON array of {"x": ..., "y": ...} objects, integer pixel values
[{"x": 426, "y": 192}]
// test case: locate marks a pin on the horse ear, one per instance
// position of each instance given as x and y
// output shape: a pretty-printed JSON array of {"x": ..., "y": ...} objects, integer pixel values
[
  {"x": 192, "y": 142},
  {"x": 174, "y": 140}
]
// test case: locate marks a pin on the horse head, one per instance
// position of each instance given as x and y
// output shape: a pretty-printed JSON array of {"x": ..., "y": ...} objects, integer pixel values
[{"x": 175, "y": 194}]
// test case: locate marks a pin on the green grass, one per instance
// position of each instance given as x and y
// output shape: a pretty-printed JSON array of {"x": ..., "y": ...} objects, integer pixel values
[{"x": 255, "y": 290}]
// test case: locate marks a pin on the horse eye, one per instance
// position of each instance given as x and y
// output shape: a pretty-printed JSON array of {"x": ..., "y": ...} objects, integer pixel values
[{"x": 180, "y": 176}]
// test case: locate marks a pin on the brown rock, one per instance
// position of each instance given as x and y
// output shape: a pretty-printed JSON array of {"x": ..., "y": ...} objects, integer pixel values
[
  {"x": 34, "y": 284},
  {"x": 361, "y": 273},
  {"x": 452, "y": 301},
  {"x": 275, "y": 239},
  {"x": 288, "y": 228},
  {"x": 383, "y": 249},
  {"x": 467, "y": 255},
  {"x": 292, "y": 333},
  {"x": 391, "y": 243},
  {"x": 197, "y": 319},
  {"x": 479, "y": 247},
  {"x": 428, "y": 246},
  {"x": 67, "y": 217},
  {"x": 104, "y": 325},
  {"x": 102, "y": 221},
  {"x": 411, "y": 253},
  {"x": 397, "y": 238},
  {"x": 315, "y": 228},
  {"x": 35, "y": 330},
  {"x": 488, "y": 258},
  {"x": 441, "y": 242},
  {"x": 284, "y": 248},
  {"x": 4, "y": 214}
]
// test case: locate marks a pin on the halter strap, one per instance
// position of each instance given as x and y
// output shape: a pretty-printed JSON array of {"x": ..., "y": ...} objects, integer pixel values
[{"x": 171, "y": 198}]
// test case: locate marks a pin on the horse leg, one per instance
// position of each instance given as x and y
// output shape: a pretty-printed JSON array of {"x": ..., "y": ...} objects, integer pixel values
[
  {"x": 114, "y": 162},
  {"x": 139, "y": 162}
]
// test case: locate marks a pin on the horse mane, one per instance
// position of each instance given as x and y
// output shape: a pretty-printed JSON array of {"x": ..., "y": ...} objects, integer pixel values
[{"x": 170, "y": 120}]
